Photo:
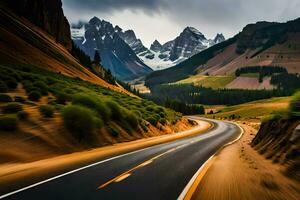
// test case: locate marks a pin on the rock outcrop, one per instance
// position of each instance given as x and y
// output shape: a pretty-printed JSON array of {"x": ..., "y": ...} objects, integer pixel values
[{"x": 46, "y": 14}]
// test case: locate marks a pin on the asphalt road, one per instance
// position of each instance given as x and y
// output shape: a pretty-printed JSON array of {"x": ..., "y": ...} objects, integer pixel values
[{"x": 157, "y": 172}]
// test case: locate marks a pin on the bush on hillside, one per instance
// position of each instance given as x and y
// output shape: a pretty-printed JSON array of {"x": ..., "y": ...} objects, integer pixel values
[
  {"x": 116, "y": 112},
  {"x": 79, "y": 121},
  {"x": 12, "y": 108},
  {"x": 12, "y": 83},
  {"x": 34, "y": 96},
  {"x": 22, "y": 115},
  {"x": 98, "y": 122},
  {"x": 113, "y": 131},
  {"x": 163, "y": 121},
  {"x": 41, "y": 86},
  {"x": 295, "y": 103},
  {"x": 3, "y": 87},
  {"x": 92, "y": 103},
  {"x": 5, "y": 98},
  {"x": 62, "y": 98},
  {"x": 152, "y": 121},
  {"x": 8, "y": 123},
  {"x": 19, "y": 99},
  {"x": 47, "y": 111},
  {"x": 132, "y": 119}
]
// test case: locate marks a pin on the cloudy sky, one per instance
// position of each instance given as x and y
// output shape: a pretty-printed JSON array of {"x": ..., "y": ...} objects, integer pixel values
[{"x": 165, "y": 19}]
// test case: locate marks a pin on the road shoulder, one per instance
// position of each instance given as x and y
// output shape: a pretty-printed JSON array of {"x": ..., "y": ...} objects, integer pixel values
[{"x": 239, "y": 172}]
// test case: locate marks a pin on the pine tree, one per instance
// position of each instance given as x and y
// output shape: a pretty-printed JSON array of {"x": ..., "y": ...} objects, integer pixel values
[{"x": 97, "y": 58}]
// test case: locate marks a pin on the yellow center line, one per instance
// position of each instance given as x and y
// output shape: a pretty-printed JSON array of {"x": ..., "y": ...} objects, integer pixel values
[
  {"x": 126, "y": 174},
  {"x": 122, "y": 177}
]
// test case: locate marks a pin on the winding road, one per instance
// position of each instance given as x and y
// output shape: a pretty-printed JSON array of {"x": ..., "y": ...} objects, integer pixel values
[{"x": 162, "y": 171}]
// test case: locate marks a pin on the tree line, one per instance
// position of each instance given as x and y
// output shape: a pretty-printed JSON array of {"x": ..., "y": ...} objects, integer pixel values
[
  {"x": 191, "y": 94},
  {"x": 263, "y": 71}
]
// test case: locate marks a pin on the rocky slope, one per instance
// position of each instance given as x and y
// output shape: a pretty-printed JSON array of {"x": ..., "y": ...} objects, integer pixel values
[
  {"x": 115, "y": 52},
  {"x": 260, "y": 44},
  {"x": 35, "y": 33},
  {"x": 47, "y": 15}
]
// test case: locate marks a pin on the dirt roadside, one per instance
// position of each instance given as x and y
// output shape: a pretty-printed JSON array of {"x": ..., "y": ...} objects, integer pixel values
[
  {"x": 239, "y": 172},
  {"x": 14, "y": 173}
]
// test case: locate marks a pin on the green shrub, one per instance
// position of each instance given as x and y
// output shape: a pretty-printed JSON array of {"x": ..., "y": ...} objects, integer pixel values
[
  {"x": 150, "y": 108},
  {"x": 113, "y": 132},
  {"x": 163, "y": 121},
  {"x": 5, "y": 98},
  {"x": 98, "y": 122},
  {"x": 157, "y": 117},
  {"x": 22, "y": 115},
  {"x": 3, "y": 87},
  {"x": 8, "y": 123},
  {"x": 79, "y": 121},
  {"x": 47, "y": 111},
  {"x": 132, "y": 119},
  {"x": 27, "y": 83},
  {"x": 50, "y": 80},
  {"x": 12, "y": 108},
  {"x": 144, "y": 126},
  {"x": 295, "y": 104},
  {"x": 162, "y": 114},
  {"x": 34, "y": 96},
  {"x": 152, "y": 121},
  {"x": 116, "y": 112},
  {"x": 42, "y": 87},
  {"x": 62, "y": 98},
  {"x": 19, "y": 99},
  {"x": 12, "y": 83},
  {"x": 92, "y": 103}
]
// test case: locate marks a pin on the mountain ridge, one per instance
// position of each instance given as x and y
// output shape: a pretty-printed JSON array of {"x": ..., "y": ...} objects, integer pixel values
[
  {"x": 259, "y": 44},
  {"x": 158, "y": 56},
  {"x": 116, "y": 54}
]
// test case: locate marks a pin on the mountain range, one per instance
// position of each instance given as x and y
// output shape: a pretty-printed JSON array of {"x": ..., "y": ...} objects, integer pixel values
[
  {"x": 126, "y": 56},
  {"x": 188, "y": 43},
  {"x": 115, "y": 53},
  {"x": 259, "y": 44}
]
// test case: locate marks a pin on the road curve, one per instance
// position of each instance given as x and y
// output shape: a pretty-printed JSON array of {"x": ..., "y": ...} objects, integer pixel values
[{"x": 158, "y": 172}]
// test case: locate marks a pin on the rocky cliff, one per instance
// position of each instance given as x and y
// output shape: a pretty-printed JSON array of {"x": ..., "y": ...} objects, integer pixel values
[
  {"x": 45, "y": 14},
  {"x": 118, "y": 49}
]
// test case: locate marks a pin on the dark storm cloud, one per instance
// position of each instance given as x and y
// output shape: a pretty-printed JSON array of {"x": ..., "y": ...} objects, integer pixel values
[
  {"x": 108, "y": 5},
  {"x": 209, "y": 16}
]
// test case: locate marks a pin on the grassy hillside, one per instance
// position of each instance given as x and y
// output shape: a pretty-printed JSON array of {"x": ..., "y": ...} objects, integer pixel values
[
  {"x": 49, "y": 113},
  {"x": 252, "y": 110},
  {"x": 208, "y": 81}
]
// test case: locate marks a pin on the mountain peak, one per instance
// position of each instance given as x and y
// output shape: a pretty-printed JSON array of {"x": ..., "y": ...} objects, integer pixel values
[
  {"x": 156, "y": 46},
  {"x": 193, "y": 30},
  {"x": 118, "y": 29},
  {"x": 219, "y": 38},
  {"x": 94, "y": 20}
]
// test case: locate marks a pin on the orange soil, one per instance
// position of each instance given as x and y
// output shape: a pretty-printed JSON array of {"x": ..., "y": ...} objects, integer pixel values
[
  {"x": 12, "y": 172},
  {"x": 239, "y": 172}
]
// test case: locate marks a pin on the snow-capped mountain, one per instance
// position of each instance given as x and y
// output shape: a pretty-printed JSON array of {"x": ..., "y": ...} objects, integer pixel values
[
  {"x": 101, "y": 34},
  {"x": 188, "y": 43},
  {"x": 116, "y": 54}
]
